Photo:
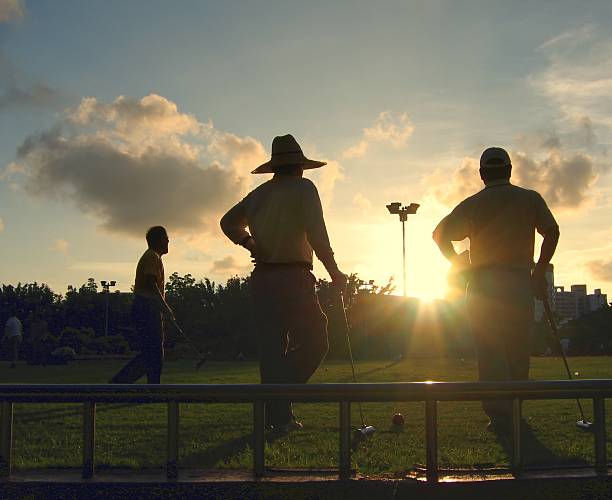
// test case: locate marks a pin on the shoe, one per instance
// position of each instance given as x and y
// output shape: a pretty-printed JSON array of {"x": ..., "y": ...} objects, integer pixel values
[{"x": 292, "y": 425}]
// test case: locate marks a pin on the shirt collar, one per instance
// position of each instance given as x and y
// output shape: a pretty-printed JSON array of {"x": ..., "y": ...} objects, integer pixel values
[{"x": 498, "y": 182}]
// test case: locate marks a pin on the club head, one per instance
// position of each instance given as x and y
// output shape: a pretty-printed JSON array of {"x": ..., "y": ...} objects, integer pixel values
[
  {"x": 200, "y": 362},
  {"x": 584, "y": 425},
  {"x": 365, "y": 432}
]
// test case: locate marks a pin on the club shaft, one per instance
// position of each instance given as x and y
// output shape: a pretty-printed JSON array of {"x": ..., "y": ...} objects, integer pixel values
[
  {"x": 350, "y": 351},
  {"x": 187, "y": 339},
  {"x": 555, "y": 332}
]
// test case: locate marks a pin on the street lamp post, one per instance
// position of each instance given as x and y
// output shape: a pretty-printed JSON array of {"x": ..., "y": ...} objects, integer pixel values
[
  {"x": 403, "y": 212},
  {"x": 106, "y": 289}
]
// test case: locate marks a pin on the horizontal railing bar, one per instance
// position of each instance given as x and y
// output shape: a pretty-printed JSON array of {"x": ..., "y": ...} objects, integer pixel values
[{"x": 247, "y": 393}]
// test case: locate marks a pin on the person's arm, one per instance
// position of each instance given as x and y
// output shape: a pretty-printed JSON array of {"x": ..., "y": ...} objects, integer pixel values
[
  {"x": 547, "y": 250},
  {"x": 453, "y": 227},
  {"x": 316, "y": 232},
  {"x": 234, "y": 224},
  {"x": 547, "y": 226},
  {"x": 159, "y": 296},
  {"x": 443, "y": 241}
]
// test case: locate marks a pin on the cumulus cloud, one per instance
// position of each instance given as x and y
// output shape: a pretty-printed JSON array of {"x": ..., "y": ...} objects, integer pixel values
[
  {"x": 244, "y": 153},
  {"x": 462, "y": 182},
  {"x": 227, "y": 265},
  {"x": 564, "y": 179},
  {"x": 361, "y": 202},
  {"x": 391, "y": 128},
  {"x": 18, "y": 90},
  {"x": 577, "y": 77},
  {"x": 135, "y": 163},
  {"x": 61, "y": 246},
  {"x": 11, "y": 11},
  {"x": 600, "y": 269},
  {"x": 325, "y": 178}
]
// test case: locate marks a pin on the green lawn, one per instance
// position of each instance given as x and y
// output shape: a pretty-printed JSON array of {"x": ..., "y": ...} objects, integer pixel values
[{"x": 213, "y": 436}]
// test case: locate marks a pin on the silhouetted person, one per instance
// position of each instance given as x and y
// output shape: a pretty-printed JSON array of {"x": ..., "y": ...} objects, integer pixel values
[
  {"x": 147, "y": 312},
  {"x": 38, "y": 340},
  {"x": 500, "y": 222},
  {"x": 285, "y": 220},
  {"x": 13, "y": 337}
]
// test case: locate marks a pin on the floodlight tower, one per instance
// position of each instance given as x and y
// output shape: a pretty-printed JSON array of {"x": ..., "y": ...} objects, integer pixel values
[
  {"x": 403, "y": 212},
  {"x": 106, "y": 290}
]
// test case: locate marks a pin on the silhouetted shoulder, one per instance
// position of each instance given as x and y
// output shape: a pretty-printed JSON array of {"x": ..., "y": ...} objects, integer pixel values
[{"x": 307, "y": 184}]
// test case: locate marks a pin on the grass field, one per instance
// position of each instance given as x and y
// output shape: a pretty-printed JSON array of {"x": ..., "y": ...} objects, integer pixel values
[{"x": 218, "y": 436}]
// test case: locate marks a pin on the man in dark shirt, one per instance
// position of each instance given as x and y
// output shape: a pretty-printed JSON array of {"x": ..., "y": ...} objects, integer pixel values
[
  {"x": 147, "y": 309},
  {"x": 500, "y": 222}
]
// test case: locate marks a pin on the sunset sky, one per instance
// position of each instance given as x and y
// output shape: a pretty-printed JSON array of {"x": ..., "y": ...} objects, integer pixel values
[{"x": 117, "y": 115}]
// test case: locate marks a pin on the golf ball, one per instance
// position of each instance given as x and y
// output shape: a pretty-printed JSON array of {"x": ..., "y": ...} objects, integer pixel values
[
  {"x": 398, "y": 420},
  {"x": 576, "y": 374}
]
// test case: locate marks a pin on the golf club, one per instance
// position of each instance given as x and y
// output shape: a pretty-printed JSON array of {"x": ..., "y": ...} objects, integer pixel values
[
  {"x": 583, "y": 423},
  {"x": 201, "y": 357},
  {"x": 365, "y": 430}
]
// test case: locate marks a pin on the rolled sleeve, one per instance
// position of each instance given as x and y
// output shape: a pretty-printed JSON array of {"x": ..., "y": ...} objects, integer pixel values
[
  {"x": 545, "y": 221},
  {"x": 316, "y": 232}
]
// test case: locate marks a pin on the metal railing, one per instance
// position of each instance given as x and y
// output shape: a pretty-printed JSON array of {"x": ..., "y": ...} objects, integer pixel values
[{"x": 344, "y": 394}]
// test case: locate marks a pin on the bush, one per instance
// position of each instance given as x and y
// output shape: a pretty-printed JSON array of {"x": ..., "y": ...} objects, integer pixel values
[
  {"x": 114, "y": 344},
  {"x": 75, "y": 338}
]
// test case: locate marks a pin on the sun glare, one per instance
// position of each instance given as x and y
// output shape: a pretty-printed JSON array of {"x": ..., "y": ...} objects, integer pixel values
[{"x": 426, "y": 269}]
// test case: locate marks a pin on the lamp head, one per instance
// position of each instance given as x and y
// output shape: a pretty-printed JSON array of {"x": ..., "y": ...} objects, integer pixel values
[{"x": 394, "y": 208}]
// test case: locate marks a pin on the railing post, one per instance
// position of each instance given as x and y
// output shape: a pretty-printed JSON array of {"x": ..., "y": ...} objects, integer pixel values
[
  {"x": 599, "y": 414},
  {"x": 259, "y": 423},
  {"x": 517, "y": 456},
  {"x": 173, "y": 440},
  {"x": 89, "y": 439},
  {"x": 6, "y": 445},
  {"x": 345, "y": 439},
  {"x": 431, "y": 437}
]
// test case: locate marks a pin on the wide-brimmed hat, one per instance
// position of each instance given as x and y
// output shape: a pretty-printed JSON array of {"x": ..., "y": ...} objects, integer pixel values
[
  {"x": 494, "y": 158},
  {"x": 286, "y": 152}
]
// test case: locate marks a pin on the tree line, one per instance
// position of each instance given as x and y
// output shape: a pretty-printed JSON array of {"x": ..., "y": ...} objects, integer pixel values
[{"x": 217, "y": 317}]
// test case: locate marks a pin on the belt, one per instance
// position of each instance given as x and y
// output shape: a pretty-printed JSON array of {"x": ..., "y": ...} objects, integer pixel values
[{"x": 283, "y": 265}]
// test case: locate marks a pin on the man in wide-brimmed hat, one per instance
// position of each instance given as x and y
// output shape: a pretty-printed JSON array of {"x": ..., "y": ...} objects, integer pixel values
[
  {"x": 500, "y": 221},
  {"x": 285, "y": 220}
]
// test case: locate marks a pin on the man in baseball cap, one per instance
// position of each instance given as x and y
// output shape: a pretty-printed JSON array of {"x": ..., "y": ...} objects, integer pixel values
[
  {"x": 500, "y": 222},
  {"x": 285, "y": 220}
]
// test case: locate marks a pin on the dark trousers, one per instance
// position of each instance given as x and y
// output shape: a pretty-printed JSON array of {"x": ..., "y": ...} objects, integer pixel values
[
  {"x": 500, "y": 311},
  {"x": 150, "y": 329},
  {"x": 291, "y": 330}
]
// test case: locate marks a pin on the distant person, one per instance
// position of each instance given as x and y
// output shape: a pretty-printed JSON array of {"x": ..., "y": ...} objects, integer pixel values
[
  {"x": 286, "y": 224},
  {"x": 38, "y": 339},
  {"x": 565, "y": 345},
  {"x": 13, "y": 337},
  {"x": 500, "y": 222},
  {"x": 147, "y": 312}
]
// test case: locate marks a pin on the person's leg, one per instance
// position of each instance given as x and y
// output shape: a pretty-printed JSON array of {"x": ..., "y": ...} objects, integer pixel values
[
  {"x": 485, "y": 323},
  {"x": 132, "y": 371},
  {"x": 266, "y": 296},
  {"x": 16, "y": 347},
  {"x": 154, "y": 353},
  {"x": 308, "y": 331},
  {"x": 137, "y": 367}
]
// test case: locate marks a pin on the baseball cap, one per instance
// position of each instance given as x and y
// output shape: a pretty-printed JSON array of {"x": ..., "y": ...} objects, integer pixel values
[{"x": 495, "y": 157}]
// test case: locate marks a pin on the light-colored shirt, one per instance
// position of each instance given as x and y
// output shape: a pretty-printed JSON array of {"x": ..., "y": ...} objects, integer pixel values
[
  {"x": 13, "y": 327},
  {"x": 285, "y": 217},
  {"x": 150, "y": 264},
  {"x": 500, "y": 222}
]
